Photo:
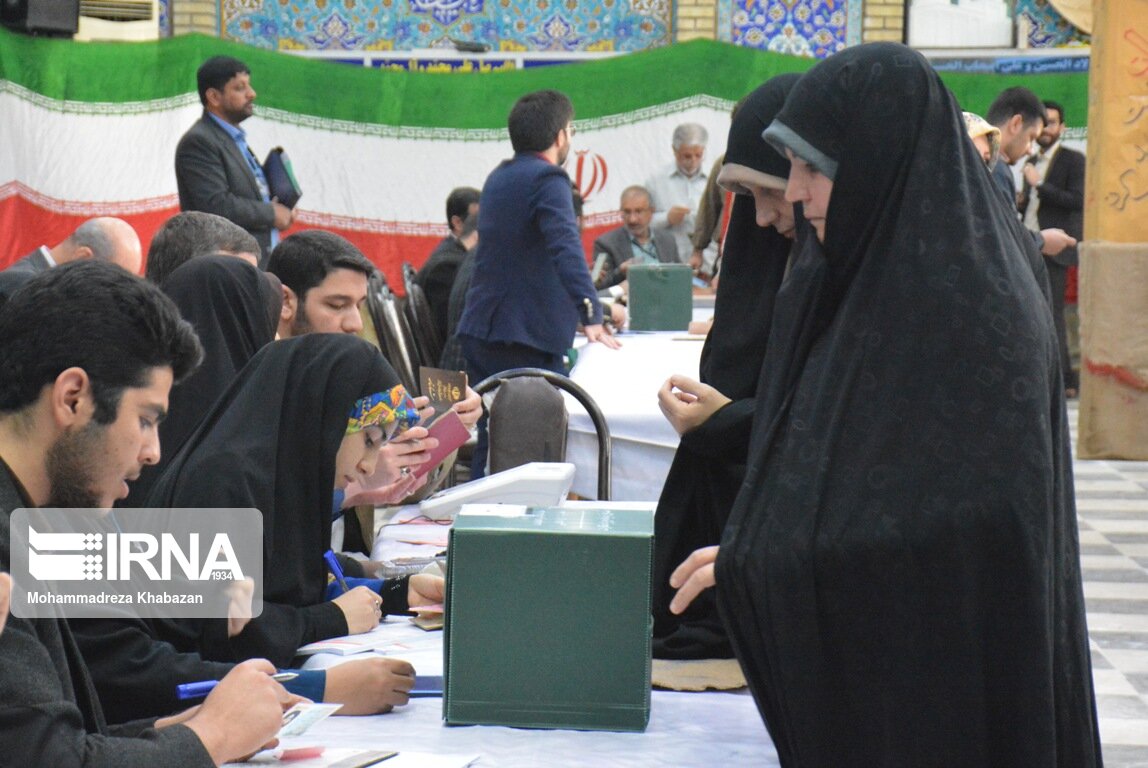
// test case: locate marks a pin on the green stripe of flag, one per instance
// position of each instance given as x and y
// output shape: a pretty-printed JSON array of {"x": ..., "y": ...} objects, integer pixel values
[{"x": 124, "y": 73}]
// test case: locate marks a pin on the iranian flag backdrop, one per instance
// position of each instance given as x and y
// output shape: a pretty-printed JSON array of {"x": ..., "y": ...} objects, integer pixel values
[{"x": 90, "y": 129}]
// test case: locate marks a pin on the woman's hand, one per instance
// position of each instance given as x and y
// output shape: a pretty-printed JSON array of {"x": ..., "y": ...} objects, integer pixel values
[
  {"x": 692, "y": 577},
  {"x": 469, "y": 409},
  {"x": 393, "y": 479},
  {"x": 239, "y": 595},
  {"x": 425, "y": 589},
  {"x": 391, "y": 493},
  {"x": 422, "y": 405},
  {"x": 362, "y": 607},
  {"x": 369, "y": 686},
  {"x": 687, "y": 404}
]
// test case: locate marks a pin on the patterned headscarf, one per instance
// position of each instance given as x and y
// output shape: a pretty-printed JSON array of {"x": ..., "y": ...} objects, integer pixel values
[{"x": 393, "y": 410}]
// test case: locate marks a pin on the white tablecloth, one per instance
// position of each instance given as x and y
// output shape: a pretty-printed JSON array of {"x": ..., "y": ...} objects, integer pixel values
[
  {"x": 624, "y": 383},
  {"x": 686, "y": 729}
]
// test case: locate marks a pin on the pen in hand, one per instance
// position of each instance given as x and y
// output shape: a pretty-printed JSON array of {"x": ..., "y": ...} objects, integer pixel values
[
  {"x": 336, "y": 571},
  {"x": 200, "y": 689}
]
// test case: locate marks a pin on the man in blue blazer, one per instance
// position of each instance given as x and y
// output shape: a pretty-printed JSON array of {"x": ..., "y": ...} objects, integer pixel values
[
  {"x": 531, "y": 286},
  {"x": 215, "y": 171}
]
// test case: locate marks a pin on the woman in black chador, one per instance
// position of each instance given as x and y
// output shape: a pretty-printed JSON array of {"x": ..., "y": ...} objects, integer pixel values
[
  {"x": 900, "y": 574},
  {"x": 234, "y": 308},
  {"x": 306, "y": 416},
  {"x": 714, "y": 416}
]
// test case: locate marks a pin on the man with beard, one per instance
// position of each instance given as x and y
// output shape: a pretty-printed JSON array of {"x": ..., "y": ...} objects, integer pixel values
[
  {"x": 79, "y": 404},
  {"x": 324, "y": 280},
  {"x": 531, "y": 286},
  {"x": 676, "y": 191},
  {"x": 215, "y": 171},
  {"x": 1053, "y": 196}
]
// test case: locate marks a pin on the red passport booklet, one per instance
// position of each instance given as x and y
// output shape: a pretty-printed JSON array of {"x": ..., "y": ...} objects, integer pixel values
[{"x": 448, "y": 429}]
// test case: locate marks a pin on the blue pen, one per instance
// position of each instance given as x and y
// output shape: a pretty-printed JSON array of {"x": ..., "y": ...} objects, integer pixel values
[
  {"x": 200, "y": 689},
  {"x": 336, "y": 571}
]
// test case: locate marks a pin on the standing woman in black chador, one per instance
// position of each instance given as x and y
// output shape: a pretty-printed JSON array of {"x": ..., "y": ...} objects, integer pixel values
[
  {"x": 900, "y": 574},
  {"x": 714, "y": 416}
]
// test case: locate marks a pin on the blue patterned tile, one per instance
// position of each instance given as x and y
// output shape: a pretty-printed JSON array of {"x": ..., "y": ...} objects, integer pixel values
[
  {"x": 445, "y": 12},
  {"x": 509, "y": 25},
  {"x": 1047, "y": 28},
  {"x": 815, "y": 28}
]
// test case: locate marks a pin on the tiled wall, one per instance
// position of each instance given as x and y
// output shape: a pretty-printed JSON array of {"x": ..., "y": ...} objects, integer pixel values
[
  {"x": 1047, "y": 28},
  {"x": 507, "y": 25},
  {"x": 806, "y": 27},
  {"x": 801, "y": 27}
]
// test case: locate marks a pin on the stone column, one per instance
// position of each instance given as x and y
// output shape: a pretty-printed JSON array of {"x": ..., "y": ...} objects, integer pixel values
[{"x": 1114, "y": 254}]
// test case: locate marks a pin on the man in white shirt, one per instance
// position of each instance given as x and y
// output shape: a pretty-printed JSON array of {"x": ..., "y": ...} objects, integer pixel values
[{"x": 676, "y": 191}]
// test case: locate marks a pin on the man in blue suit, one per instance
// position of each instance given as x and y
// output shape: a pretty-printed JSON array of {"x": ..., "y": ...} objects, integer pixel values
[{"x": 531, "y": 286}]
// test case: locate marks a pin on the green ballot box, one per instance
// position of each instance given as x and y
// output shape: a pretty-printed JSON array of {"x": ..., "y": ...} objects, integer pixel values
[
  {"x": 548, "y": 618},
  {"x": 661, "y": 297}
]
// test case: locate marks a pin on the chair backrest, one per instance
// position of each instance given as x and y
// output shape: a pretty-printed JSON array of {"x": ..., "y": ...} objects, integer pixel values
[
  {"x": 528, "y": 423},
  {"x": 582, "y": 396},
  {"x": 418, "y": 315},
  {"x": 392, "y": 334}
]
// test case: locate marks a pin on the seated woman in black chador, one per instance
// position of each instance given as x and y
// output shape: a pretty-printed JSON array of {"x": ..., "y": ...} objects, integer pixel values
[
  {"x": 714, "y": 416},
  {"x": 900, "y": 574},
  {"x": 234, "y": 308},
  {"x": 305, "y": 416}
]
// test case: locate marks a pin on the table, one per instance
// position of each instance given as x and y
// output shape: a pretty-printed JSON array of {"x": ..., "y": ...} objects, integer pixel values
[
  {"x": 624, "y": 383},
  {"x": 686, "y": 729}
]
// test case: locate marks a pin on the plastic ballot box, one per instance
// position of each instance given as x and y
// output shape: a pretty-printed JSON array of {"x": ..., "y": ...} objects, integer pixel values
[
  {"x": 548, "y": 618},
  {"x": 661, "y": 297}
]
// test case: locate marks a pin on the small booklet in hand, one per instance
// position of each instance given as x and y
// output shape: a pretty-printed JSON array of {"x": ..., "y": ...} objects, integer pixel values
[
  {"x": 450, "y": 432},
  {"x": 443, "y": 387},
  {"x": 280, "y": 176}
]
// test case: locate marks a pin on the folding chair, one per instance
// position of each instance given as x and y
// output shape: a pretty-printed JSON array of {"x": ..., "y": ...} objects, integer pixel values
[
  {"x": 417, "y": 311},
  {"x": 390, "y": 329},
  {"x": 530, "y": 418}
]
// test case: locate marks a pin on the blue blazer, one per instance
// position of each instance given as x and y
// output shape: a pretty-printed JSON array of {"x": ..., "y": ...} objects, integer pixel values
[{"x": 531, "y": 283}]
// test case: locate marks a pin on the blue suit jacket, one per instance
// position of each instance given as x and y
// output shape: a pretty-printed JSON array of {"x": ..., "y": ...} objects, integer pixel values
[{"x": 531, "y": 283}]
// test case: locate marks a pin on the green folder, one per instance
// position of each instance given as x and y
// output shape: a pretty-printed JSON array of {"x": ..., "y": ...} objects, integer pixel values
[
  {"x": 548, "y": 619},
  {"x": 661, "y": 297}
]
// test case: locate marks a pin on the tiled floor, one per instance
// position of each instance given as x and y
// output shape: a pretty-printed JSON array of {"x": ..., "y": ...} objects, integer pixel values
[{"x": 1112, "y": 505}]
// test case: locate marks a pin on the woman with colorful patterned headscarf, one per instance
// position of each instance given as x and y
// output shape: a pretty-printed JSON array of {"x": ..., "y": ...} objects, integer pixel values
[
  {"x": 900, "y": 574},
  {"x": 307, "y": 415}
]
